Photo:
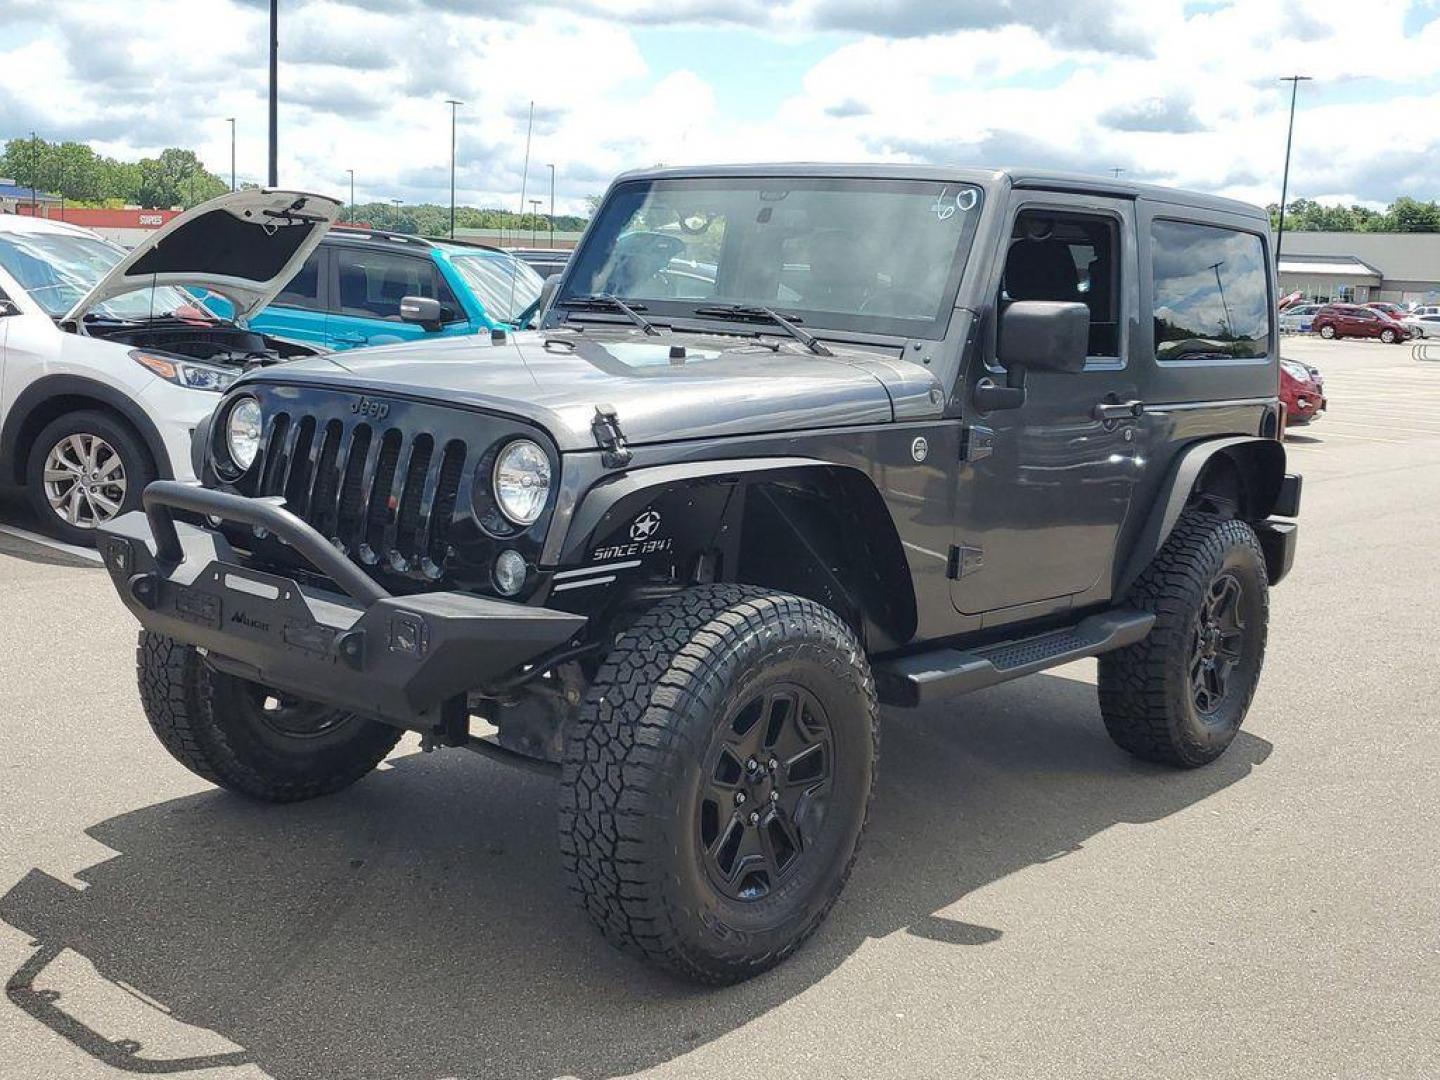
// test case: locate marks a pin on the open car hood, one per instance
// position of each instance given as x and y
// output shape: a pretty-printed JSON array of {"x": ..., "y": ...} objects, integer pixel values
[{"x": 245, "y": 246}]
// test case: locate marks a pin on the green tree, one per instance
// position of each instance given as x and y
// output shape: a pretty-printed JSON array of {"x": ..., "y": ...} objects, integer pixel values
[{"x": 1411, "y": 215}]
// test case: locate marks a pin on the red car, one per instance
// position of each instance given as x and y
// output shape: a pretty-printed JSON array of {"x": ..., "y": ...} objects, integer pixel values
[
  {"x": 1356, "y": 320},
  {"x": 1302, "y": 391},
  {"x": 1395, "y": 311}
]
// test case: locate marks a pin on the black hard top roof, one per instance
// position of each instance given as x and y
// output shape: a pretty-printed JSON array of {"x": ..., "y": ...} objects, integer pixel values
[{"x": 1041, "y": 179}]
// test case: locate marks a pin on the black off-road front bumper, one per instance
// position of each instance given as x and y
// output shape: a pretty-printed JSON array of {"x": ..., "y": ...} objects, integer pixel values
[{"x": 394, "y": 658}]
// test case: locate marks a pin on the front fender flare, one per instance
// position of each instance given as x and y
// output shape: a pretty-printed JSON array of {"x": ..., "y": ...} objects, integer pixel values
[
  {"x": 704, "y": 506},
  {"x": 14, "y": 449}
]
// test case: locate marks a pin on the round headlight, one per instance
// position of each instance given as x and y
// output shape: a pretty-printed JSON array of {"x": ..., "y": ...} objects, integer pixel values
[
  {"x": 242, "y": 432},
  {"x": 522, "y": 481}
]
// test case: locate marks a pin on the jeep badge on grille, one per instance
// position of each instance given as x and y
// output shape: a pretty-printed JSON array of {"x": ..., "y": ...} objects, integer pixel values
[{"x": 375, "y": 410}]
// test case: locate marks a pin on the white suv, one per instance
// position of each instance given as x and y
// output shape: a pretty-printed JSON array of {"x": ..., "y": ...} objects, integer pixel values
[{"x": 108, "y": 360}]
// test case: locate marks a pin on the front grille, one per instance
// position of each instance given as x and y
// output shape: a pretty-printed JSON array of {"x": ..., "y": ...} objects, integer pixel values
[{"x": 381, "y": 495}]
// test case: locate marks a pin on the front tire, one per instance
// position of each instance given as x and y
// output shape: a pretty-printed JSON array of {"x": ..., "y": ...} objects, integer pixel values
[
  {"x": 1179, "y": 696},
  {"x": 1328, "y": 333},
  {"x": 717, "y": 780},
  {"x": 246, "y": 738},
  {"x": 85, "y": 469},
  {"x": 1387, "y": 336}
]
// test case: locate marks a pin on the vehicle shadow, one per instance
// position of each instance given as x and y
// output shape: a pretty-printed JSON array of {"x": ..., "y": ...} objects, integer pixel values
[{"x": 416, "y": 926}]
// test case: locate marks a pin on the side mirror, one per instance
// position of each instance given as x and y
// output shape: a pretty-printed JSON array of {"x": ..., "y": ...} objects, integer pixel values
[
  {"x": 424, "y": 310},
  {"x": 1044, "y": 335}
]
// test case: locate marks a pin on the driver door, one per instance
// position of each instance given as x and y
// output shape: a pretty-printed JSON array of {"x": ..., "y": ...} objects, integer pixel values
[{"x": 1044, "y": 487}]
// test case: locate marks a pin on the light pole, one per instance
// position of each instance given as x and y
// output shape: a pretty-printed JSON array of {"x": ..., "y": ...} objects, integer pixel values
[
  {"x": 34, "y": 174},
  {"x": 1294, "y": 81},
  {"x": 274, "y": 93},
  {"x": 231, "y": 121},
  {"x": 453, "y": 106},
  {"x": 352, "y": 195},
  {"x": 1224, "y": 304},
  {"x": 552, "y": 204},
  {"x": 534, "y": 221}
]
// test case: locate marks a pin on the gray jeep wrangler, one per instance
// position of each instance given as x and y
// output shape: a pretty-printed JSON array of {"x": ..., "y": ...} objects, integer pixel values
[{"x": 789, "y": 442}]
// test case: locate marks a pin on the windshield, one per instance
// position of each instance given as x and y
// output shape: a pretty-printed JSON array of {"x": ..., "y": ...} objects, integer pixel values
[
  {"x": 875, "y": 256},
  {"x": 504, "y": 284},
  {"x": 57, "y": 269}
]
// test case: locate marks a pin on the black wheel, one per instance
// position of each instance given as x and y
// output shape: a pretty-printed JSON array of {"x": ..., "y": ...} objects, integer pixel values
[
  {"x": 717, "y": 781},
  {"x": 246, "y": 738},
  {"x": 1328, "y": 332},
  {"x": 85, "y": 468},
  {"x": 1180, "y": 695},
  {"x": 1387, "y": 336}
]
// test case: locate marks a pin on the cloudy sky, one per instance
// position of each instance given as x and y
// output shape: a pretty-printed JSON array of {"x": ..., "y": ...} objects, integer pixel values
[{"x": 1175, "y": 91}]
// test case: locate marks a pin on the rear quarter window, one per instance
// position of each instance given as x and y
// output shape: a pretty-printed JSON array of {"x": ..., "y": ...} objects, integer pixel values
[{"x": 1211, "y": 293}]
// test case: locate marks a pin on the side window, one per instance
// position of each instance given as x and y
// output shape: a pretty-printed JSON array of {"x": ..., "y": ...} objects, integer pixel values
[
  {"x": 372, "y": 283},
  {"x": 303, "y": 290},
  {"x": 1211, "y": 295},
  {"x": 1068, "y": 257}
]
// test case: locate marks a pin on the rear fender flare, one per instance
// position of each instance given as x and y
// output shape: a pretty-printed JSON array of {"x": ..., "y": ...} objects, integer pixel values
[{"x": 1260, "y": 464}]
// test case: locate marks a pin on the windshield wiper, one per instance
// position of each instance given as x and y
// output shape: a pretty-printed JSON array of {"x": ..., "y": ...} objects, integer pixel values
[
  {"x": 614, "y": 303},
  {"x": 756, "y": 311}
]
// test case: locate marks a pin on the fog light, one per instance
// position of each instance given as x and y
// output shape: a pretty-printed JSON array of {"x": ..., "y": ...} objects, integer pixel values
[{"x": 509, "y": 572}]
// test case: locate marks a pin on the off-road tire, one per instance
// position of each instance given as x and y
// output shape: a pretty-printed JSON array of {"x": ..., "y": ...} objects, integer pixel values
[
  {"x": 206, "y": 720},
  {"x": 1147, "y": 697},
  {"x": 139, "y": 469},
  {"x": 633, "y": 775}
]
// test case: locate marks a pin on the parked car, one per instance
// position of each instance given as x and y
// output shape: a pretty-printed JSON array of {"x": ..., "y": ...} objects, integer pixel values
[
  {"x": 1303, "y": 392},
  {"x": 1354, "y": 320},
  {"x": 353, "y": 289},
  {"x": 677, "y": 550},
  {"x": 110, "y": 358},
  {"x": 544, "y": 261},
  {"x": 1296, "y": 319},
  {"x": 1395, "y": 311},
  {"x": 1423, "y": 326},
  {"x": 1425, "y": 309}
]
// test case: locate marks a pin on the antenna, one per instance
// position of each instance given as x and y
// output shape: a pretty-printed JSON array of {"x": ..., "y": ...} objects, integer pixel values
[{"x": 524, "y": 177}]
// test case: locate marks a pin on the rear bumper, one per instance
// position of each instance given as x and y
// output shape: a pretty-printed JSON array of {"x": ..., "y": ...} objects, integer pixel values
[{"x": 394, "y": 658}]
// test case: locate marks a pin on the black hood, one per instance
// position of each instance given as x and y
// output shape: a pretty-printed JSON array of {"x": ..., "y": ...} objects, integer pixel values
[{"x": 716, "y": 386}]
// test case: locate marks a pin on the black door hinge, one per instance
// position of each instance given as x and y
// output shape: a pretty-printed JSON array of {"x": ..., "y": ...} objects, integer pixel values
[
  {"x": 963, "y": 560},
  {"x": 977, "y": 443},
  {"x": 609, "y": 437}
]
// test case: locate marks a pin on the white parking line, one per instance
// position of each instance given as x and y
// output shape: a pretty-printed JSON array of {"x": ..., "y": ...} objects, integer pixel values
[{"x": 51, "y": 543}]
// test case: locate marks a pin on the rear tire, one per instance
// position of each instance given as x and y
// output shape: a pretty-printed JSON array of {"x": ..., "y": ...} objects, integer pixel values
[
  {"x": 1179, "y": 696},
  {"x": 1387, "y": 336},
  {"x": 85, "y": 468},
  {"x": 248, "y": 739},
  {"x": 717, "y": 780}
]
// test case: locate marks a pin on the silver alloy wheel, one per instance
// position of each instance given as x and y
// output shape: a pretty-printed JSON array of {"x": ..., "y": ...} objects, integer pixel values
[{"x": 85, "y": 480}]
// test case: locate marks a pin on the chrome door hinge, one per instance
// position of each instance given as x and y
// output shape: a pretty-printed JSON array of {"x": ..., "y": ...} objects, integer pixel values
[
  {"x": 964, "y": 560},
  {"x": 977, "y": 443}
]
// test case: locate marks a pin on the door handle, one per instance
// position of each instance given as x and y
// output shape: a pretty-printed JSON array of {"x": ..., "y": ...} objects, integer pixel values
[{"x": 1118, "y": 410}]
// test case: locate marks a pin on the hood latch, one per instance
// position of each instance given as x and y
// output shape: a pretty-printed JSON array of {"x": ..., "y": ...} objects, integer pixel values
[{"x": 609, "y": 437}]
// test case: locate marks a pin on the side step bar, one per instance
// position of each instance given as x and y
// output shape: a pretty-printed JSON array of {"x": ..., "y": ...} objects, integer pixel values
[{"x": 910, "y": 681}]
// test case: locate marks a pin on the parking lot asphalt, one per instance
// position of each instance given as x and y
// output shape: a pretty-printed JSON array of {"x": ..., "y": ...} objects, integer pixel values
[{"x": 1030, "y": 902}]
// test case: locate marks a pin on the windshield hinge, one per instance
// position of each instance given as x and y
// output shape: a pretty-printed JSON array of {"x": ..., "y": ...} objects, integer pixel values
[{"x": 609, "y": 437}]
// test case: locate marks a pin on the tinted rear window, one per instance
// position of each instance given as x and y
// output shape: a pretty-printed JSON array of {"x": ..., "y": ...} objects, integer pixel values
[{"x": 1212, "y": 299}]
